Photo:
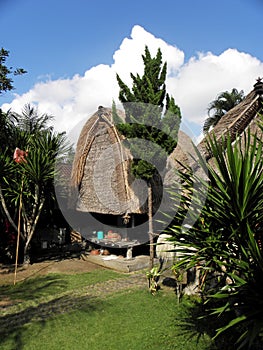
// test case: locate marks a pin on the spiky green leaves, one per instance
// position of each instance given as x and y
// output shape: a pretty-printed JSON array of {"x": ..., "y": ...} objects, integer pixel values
[{"x": 226, "y": 241}]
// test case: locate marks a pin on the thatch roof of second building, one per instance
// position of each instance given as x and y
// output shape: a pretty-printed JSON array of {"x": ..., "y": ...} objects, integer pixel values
[{"x": 236, "y": 121}]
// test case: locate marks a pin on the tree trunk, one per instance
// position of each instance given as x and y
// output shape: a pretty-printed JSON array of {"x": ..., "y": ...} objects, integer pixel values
[
  {"x": 150, "y": 215},
  {"x": 26, "y": 259},
  {"x": 30, "y": 227},
  {"x": 2, "y": 199}
]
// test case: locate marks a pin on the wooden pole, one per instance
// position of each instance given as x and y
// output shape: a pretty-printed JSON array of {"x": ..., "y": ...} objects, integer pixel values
[
  {"x": 18, "y": 230},
  {"x": 150, "y": 215}
]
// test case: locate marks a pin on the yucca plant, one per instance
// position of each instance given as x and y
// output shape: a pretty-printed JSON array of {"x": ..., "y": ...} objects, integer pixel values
[
  {"x": 26, "y": 186},
  {"x": 227, "y": 235},
  {"x": 37, "y": 174}
]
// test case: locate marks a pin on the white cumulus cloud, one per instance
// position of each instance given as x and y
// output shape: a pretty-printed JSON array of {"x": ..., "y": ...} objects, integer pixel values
[
  {"x": 194, "y": 83},
  {"x": 202, "y": 78}
]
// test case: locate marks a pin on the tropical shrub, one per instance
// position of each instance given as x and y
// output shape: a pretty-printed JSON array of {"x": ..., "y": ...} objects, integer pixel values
[
  {"x": 27, "y": 170},
  {"x": 226, "y": 240}
]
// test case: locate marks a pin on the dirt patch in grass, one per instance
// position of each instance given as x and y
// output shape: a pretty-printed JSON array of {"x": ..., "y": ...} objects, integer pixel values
[{"x": 70, "y": 266}]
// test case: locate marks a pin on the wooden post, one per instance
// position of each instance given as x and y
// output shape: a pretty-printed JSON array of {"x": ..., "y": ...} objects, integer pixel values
[
  {"x": 150, "y": 215},
  {"x": 18, "y": 230}
]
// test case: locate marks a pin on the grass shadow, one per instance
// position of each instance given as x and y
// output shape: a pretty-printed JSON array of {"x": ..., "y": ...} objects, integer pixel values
[
  {"x": 12, "y": 325},
  {"x": 32, "y": 289},
  {"x": 37, "y": 300}
]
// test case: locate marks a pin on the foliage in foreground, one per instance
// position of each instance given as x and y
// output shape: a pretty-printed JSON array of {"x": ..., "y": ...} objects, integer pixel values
[
  {"x": 226, "y": 241},
  {"x": 27, "y": 183}
]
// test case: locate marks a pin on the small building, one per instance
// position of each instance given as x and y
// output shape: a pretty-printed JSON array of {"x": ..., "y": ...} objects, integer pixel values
[{"x": 110, "y": 202}]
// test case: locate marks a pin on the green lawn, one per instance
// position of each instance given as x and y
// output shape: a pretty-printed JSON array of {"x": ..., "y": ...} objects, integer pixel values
[
  {"x": 53, "y": 313},
  {"x": 44, "y": 287}
]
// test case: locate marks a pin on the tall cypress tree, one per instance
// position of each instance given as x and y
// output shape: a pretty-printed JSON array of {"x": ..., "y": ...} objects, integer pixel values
[{"x": 152, "y": 115}]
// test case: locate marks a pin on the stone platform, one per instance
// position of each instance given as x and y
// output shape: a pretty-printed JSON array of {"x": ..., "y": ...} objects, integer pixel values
[{"x": 119, "y": 263}]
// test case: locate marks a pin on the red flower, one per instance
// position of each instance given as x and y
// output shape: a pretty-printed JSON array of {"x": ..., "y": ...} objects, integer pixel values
[{"x": 19, "y": 155}]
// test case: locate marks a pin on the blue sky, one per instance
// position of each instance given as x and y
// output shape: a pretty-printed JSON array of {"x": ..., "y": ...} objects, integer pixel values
[{"x": 68, "y": 45}]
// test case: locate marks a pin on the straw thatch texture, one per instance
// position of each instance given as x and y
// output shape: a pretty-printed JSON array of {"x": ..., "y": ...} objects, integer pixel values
[
  {"x": 178, "y": 158},
  {"x": 236, "y": 121},
  {"x": 101, "y": 169}
]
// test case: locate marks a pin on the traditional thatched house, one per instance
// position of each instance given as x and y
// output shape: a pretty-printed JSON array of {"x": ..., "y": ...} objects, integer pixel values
[
  {"x": 236, "y": 121},
  {"x": 100, "y": 169},
  {"x": 106, "y": 189}
]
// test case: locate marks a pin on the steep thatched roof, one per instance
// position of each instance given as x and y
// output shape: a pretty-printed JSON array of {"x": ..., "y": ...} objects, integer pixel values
[
  {"x": 236, "y": 121},
  {"x": 101, "y": 169},
  {"x": 179, "y": 157}
]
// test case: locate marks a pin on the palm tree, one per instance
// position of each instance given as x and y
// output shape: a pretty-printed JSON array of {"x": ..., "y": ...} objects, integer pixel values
[
  {"x": 7, "y": 125},
  {"x": 29, "y": 184},
  {"x": 220, "y": 106},
  {"x": 30, "y": 120}
]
